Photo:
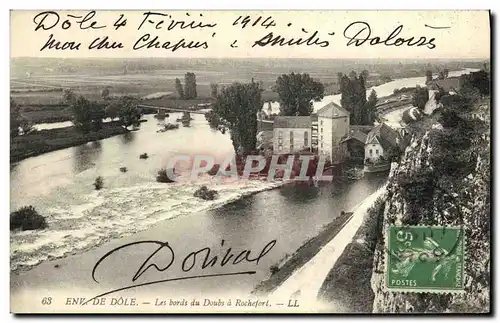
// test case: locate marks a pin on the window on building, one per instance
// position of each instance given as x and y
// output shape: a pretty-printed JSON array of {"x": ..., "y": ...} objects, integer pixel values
[
  {"x": 306, "y": 139},
  {"x": 291, "y": 147},
  {"x": 321, "y": 145},
  {"x": 291, "y": 137},
  {"x": 321, "y": 137},
  {"x": 321, "y": 129},
  {"x": 321, "y": 123},
  {"x": 280, "y": 148},
  {"x": 280, "y": 134},
  {"x": 371, "y": 152},
  {"x": 376, "y": 152}
]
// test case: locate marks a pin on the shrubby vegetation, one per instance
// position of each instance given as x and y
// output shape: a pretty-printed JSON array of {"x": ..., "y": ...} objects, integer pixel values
[
  {"x": 87, "y": 116},
  {"x": 206, "y": 193},
  {"x": 17, "y": 121},
  {"x": 27, "y": 218},
  {"x": 420, "y": 97},
  {"x": 162, "y": 176},
  {"x": 98, "y": 183}
]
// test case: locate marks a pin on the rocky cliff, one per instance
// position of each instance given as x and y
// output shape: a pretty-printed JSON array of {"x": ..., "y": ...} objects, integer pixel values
[{"x": 442, "y": 179}]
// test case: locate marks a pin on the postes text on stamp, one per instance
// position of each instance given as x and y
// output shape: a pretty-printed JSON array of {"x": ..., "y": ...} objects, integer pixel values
[{"x": 425, "y": 259}]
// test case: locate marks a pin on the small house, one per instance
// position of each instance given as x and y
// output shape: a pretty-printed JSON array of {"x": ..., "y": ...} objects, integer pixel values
[{"x": 380, "y": 143}]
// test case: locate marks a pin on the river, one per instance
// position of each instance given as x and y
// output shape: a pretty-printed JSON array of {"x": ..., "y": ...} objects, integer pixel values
[{"x": 59, "y": 185}]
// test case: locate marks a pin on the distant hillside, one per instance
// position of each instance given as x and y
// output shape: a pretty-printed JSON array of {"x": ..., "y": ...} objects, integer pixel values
[{"x": 22, "y": 66}]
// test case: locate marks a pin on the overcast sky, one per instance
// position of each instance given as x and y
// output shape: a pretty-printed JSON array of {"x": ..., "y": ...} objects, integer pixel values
[{"x": 458, "y": 34}]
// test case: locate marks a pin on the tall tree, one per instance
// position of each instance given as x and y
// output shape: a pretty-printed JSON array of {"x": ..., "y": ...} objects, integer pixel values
[
  {"x": 297, "y": 92},
  {"x": 81, "y": 114},
  {"x": 236, "y": 111},
  {"x": 179, "y": 89},
  {"x": 361, "y": 99},
  {"x": 190, "y": 86},
  {"x": 214, "y": 90},
  {"x": 97, "y": 113},
  {"x": 15, "y": 118},
  {"x": 420, "y": 97},
  {"x": 339, "y": 79},
  {"x": 68, "y": 96},
  {"x": 128, "y": 112},
  {"x": 365, "y": 74},
  {"x": 370, "y": 108},
  {"x": 428, "y": 75},
  {"x": 354, "y": 97},
  {"x": 105, "y": 93}
]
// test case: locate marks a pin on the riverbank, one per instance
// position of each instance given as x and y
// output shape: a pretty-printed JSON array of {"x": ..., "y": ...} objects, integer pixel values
[
  {"x": 349, "y": 281},
  {"x": 44, "y": 141},
  {"x": 303, "y": 255},
  {"x": 305, "y": 283}
]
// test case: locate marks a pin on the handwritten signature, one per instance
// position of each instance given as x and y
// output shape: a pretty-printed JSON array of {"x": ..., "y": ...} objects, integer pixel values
[
  {"x": 203, "y": 258},
  {"x": 360, "y": 32}
]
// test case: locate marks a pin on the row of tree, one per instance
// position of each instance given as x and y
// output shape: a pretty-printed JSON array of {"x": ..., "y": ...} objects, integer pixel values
[
  {"x": 441, "y": 76},
  {"x": 89, "y": 115},
  {"x": 237, "y": 105},
  {"x": 187, "y": 92}
]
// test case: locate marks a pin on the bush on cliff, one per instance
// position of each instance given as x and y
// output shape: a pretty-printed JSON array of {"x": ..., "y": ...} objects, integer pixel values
[
  {"x": 417, "y": 189},
  {"x": 27, "y": 218},
  {"x": 205, "y": 193}
]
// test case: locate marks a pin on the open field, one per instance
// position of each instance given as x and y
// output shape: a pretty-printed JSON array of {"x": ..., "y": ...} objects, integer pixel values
[{"x": 37, "y": 83}]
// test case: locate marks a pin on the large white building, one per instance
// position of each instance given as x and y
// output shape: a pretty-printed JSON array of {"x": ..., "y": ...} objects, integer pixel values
[
  {"x": 291, "y": 134},
  {"x": 333, "y": 127}
]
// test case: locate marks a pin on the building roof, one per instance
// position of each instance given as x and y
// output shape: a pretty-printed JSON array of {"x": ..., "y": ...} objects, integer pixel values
[
  {"x": 333, "y": 110},
  {"x": 356, "y": 135},
  {"x": 292, "y": 122},
  {"x": 362, "y": 128},
  {"x": 386, "y": 136}
]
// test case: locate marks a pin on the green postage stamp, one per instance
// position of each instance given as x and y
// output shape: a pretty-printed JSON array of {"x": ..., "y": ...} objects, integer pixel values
[{"x": 425, "y": 259}]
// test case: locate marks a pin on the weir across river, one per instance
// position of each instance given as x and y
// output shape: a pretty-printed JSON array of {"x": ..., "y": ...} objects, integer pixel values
[{"x": 162, "y": 110}]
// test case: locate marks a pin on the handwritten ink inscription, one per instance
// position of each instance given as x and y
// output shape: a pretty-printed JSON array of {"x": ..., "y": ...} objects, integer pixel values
[
  {"x": 167, "y": 31},
  {"x": 201, "y": 259}
]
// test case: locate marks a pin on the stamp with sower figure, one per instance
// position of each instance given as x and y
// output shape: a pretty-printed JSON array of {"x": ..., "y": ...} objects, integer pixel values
[{"x": 425, "y": 259}]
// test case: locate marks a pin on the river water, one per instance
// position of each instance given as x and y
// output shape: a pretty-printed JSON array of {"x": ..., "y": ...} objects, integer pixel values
[{"x": 59, "y": 186}]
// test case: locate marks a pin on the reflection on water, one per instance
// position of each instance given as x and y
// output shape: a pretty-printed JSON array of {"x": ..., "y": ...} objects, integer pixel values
[
  {"x": 301, "y": 193},
  {"x": 127, "y": 137},
  {"x": 86, "y": 156}
]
